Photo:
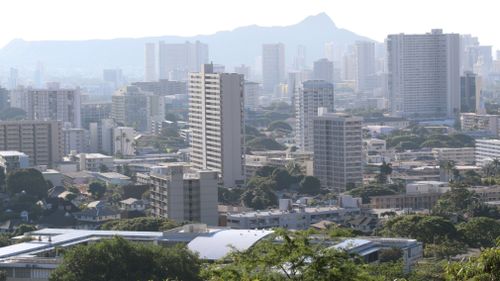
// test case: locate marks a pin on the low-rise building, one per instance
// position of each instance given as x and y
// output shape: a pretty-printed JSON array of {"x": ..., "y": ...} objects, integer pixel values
[
  {"x": 487, "y": 193},
  {"x": 289, "y": 217},
  {"x": 459, "y": 155},
  {"x": 132, "y": 204},
  {"x": 113, "y": 178},
  {"x": 13, "y": 160},
  {"x": 182, "y": 194},
  {"x": 487, "y": 151},
  {"x": 481, "y": 122},
  {"x": 94, "y": 162}
]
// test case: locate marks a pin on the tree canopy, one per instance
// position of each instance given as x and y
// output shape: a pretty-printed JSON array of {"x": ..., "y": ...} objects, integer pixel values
[
  {"x": 117, "y": 259},
  {"x": 30, "y": 181},
  {"x": 428, "y": 229},
  {"x": 295, "y": 257},
  {"x": 264, "y": 143},
  {"x": 140, "y": 224},
  {"x": 97, "y": 189}
]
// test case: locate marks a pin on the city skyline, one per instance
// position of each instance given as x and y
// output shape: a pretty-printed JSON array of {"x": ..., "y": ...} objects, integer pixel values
[{"x": 374, "y": 19}]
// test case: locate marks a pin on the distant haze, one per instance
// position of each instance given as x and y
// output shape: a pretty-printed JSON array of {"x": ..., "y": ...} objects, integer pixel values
[
  {"x": 240, "y": 46},
  {"x": 97, "y": 19}
]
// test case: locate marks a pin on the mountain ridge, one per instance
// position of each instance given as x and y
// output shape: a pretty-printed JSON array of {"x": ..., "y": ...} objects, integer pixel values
[{"x": 241, "y": 45}]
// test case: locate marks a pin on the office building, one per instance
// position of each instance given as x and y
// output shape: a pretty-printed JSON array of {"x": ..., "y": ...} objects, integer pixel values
[
  {"x": 251, "y": 95},
  {"x": 487, "y": 150},
  {"x": 4, "y": 98},
  {"x": 101, "y": 136},
  {"x": 338, "y": 147},
  {"x": 184, "y": 57},
  {"x": 273, "y": 66},
  {"x": 13, "y": 78},
  {"x": 135, "y": 107},
  {"x": 49, "y": 104},
  {"x": 424, "y": 75},
  {"x": 114, "y": 77},
  {"x": 484, "y": 123},
  {"x": 95, "y": 111},
  {"x": 243, "y": 70},
  {"x": 75, "y": 139},
  {"x": 312, "y": 95},
  {"x": 323, "y": 70},
  {"x": 40, "y": 140},
  {"x": 163, "y": 87},
  {"x": 216, "y": 123},
  {"x": 181, "y": 194},
  {"x": 13, "y": 160},
  {"x": 459, "y": 155},
  {"x": 300, "y": 61},
  {"x": 470, "y": 92},
  {"x": 365, "y": 66},
  {"x": 150, "y": 62}
]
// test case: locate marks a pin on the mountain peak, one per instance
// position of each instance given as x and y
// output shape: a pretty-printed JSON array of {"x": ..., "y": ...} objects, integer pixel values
[{"x": 321, "y": 19}]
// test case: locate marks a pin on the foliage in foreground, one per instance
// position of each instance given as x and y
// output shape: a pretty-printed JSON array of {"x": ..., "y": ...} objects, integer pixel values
[
  {"x": 119, "y": 260},
  {"x": 486, "y": 267},
  {"x": 294, "y": 257},
  {"x": 140, "y": 224}
]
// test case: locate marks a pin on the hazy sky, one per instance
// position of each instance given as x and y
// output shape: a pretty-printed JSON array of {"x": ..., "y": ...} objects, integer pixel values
[{"x": 96, "y": 19}]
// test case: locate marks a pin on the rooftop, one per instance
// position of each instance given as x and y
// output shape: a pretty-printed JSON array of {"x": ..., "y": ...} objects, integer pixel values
[
  {"x": 95, "y": 156},
  {"x": 10, "y": 153}
]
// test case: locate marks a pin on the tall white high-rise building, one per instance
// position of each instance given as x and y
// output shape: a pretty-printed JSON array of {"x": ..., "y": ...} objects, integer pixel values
[
  {"x": 312, "y": 95},
  {"x": 300, "y": 60},
  {"x": 13, "y": 78},
  {"x": 323, "y": 70},
  {"x": 216, "y": 123},
  {"x": 185, "y": 57},
  {"x": 273, "y": 66},
  {"x": 424, "y": 75},
  {"x": 252, "y": 95},
  {"x": 150, "y": 62},
  {"x": 365, "y": 65},
  {"x": 49, "y": 104},
  {"x": 338, "y": 145}
]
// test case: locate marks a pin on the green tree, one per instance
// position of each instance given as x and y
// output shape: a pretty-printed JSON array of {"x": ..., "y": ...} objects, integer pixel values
[
  {"x": 445, "y": 249},
  {"x": 486, "y": 267},
  {"x": 23, "y": 228},
  {"x": 480, "y": 231},
  {"x": 385, "y": 171},
  {"x": 97, "y": 189},
  {"x": 428, "y": 229},
  {"x": 365, "y": 192},
  {"x": 264, "y": 143},
  {"x": 310, "y": 185},
  {"x": 3, "y": 275},
  {"x": 458, "y": 201},
  {"x": 279, "y": 125},
  {"x": 294, "y": 258},
  {"x": 2, "y": 179},
  {"x": 282, "y": 178},
  {"x": 140, "y": 224},
  {"x": 260, "y": 197},
  {"x": 103, "y": 168},
  {"x": 265, "y": 171},
  {"x": 30, "y": 181},
  {"x": 119, "y": 260}
]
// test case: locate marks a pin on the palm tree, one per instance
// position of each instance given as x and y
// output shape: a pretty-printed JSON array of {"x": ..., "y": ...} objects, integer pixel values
[
  {"x": 448, "y": 167},
  {"x": 385, "y": 170},
  {"x": 496, "y": 164}
]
